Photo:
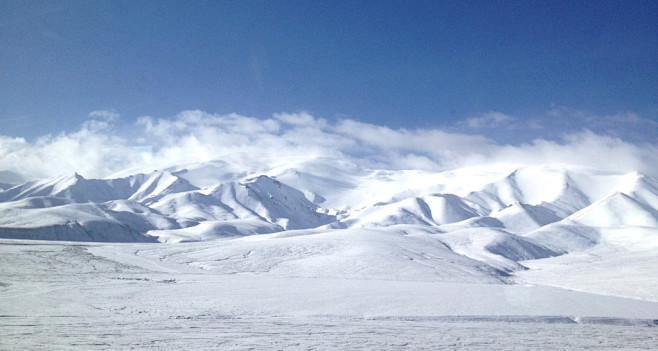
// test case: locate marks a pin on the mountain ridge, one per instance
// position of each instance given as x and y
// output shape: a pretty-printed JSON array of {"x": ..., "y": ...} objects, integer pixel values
[{"x": 496, "y": 216}]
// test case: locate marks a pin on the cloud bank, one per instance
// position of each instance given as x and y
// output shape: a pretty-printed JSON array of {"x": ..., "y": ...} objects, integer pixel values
[{"x": 103, "y": 146}]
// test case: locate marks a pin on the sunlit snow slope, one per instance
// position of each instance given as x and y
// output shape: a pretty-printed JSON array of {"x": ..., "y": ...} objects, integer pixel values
[{"x": 330, "y": 218}]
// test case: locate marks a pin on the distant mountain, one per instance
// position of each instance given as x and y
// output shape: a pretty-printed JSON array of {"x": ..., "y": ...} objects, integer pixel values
[
  {"x": 8, "y": 179},
  {"x": 139, "y": 188},
  {"x": 496, "y": 215},
  {"x": 261, "y": 198}
]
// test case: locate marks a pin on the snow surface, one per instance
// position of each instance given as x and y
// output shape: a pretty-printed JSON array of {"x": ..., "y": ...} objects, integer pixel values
[
  {"x": 330, "y": 247},
  {"x": 108, "y": 296}
]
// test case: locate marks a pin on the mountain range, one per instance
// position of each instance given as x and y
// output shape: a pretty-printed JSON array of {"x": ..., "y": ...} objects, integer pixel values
[{"x": 340, "y": 219}]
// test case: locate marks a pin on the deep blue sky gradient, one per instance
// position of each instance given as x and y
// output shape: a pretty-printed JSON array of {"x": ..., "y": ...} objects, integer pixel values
[{"x": 411, "y": 64}]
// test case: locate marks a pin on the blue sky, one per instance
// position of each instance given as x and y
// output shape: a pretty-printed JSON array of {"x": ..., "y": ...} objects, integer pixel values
[{"x": 452, "y": 65}]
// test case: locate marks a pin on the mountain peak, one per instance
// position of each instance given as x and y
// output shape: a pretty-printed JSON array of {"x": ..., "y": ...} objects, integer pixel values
[{"x": 515, "y": 198}]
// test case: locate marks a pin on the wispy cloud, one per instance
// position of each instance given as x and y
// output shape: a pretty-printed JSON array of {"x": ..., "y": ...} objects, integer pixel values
[
  {"x": 489, "y": 120},
  {"x": 626, "y": 125},
  {"x": 102, "y": 147},
  {"x": 556, "y": 122}
]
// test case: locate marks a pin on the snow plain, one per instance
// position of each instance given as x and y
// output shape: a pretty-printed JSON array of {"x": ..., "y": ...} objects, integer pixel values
[
  {"x": 323, "y": 254},
  {"x": 58, "y": 295}
]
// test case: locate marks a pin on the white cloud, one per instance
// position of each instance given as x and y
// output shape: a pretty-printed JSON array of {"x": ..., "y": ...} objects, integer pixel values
[
  {"x": 583, "y": 148},
  {"x": 100, "y": 147},
  {"x": 104, "y": 115},
  {"x": 626, "y": 125},
  {"x": 301, "y": 119},
  {"x": 100, "y": 120},
  {"x": 491, "y": 119}
]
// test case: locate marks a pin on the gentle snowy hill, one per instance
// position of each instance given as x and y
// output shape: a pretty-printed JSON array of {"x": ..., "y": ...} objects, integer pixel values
[
  {"x": 435, "y": 209},
  {"x": 617, "y": 210},
  {"x": 46, "y": 218},
  {"x": 327, "y": 217}
]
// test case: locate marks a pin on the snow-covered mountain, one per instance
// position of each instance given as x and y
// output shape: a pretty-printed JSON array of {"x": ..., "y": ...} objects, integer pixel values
[{"x": 478, "y": 220}]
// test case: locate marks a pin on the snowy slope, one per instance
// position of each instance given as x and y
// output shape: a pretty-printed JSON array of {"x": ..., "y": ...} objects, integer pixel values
[
  {"x": 152, "y": 187},
  {"x": 435, "y": 209},
  {"x": 72, "y": 186},
  {"x": 333, "y": 217},
  {"x": 617, "y": 210},
  {"x": 394, "y": 253},
  {"x": 261, "y": 198},
  {"x": 47, "y": 218},
  {"x": 139, "y": 187},
  {"x": 283, "y": 291},
  {"x": 522, "y": 218}
]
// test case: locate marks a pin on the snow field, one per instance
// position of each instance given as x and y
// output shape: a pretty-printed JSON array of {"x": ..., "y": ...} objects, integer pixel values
[
  {"x": 71, "y": 296},
  {"x": 328, "y": 255}
]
